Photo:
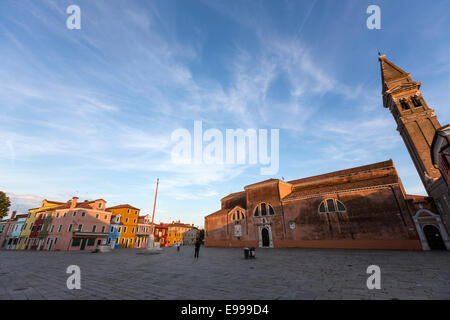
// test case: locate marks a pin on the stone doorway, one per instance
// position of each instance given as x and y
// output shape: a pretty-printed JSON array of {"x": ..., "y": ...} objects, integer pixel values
[
  {"x": 434, "y": 238},
  {"x": 436, "y": 231},
  {"x": 265, "y": 236}
]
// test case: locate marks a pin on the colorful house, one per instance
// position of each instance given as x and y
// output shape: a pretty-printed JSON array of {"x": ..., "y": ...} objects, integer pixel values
[
  {"x": 129, "y": 216},
  {"x": 143, "y": 231},
  {"x": 30, "y": 221},
  {"x": 33, "y": 239},
  {"x": 115, "y": 228},
  {"x": 15, "y": 234},
  {"x": 6, "y": 240},
  {"x": 76, "y": 225},
  {"x": 161, "y": 232},
  {"x": 176, "y": 230}
]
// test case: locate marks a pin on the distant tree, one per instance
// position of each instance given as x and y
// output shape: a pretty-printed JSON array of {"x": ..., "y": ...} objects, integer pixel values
[{"x": 5, "y": 203}]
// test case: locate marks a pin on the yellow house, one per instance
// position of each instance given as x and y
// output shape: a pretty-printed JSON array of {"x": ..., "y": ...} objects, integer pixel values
[
  {"x": 176, "y": 230},
  {"x": 129, "y": 217},
  {"x": 29, "y": 223}
]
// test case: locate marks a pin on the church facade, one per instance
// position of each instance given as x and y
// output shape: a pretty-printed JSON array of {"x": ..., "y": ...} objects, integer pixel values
[{"x": 359, "y": 208}]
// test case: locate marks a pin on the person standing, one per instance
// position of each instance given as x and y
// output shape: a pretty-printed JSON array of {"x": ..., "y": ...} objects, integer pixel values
[
  {"x": 178, "y": 246},
  {"x": 197, "y": 248}
]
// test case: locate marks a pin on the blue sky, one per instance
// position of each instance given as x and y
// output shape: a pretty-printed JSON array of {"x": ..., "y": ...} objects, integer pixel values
[{"x": 90, "y": 112}]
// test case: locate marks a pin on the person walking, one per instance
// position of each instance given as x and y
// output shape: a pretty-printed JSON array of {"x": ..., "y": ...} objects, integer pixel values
[
  {"x": 197, "y": 248},
  {"x": 178, "y": 246}
]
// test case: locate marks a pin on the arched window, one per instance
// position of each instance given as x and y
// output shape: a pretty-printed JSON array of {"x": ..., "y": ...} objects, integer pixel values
[
  {"x": 237, "y": 215},
  {"x": 331, "y": 205},
  {"x": 265, "y": 209}
]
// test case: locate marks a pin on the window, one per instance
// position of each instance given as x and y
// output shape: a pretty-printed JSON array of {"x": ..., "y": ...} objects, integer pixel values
[
  {"x": 64, "y": 214},
  {"x": 416, "y": 101},
  {"x": 70, "y": 228},
  {"x": 133, "y": 230},
  {"x": 53, "y": 227},
  {"x": 126, "y": 220},
  {"x": 128, "y": 211},
  {"x": 111, "y": 230},
  {"x": 265, "y": 209},
  {"x": 83, "y": 214},
  {"x": 57, "y": 215},
  {"x": 103, "y": 229},
  {"x": 59, "y": 228},
  {"x": 124, "y": 229},
  {"x": 76, "y": 242},
  {"x": 74, "y": 213},
  {"x": 322, "y": 208},
  {"x": 404, "y": 104},
  {"x": 80, "y": 227},
  {"x": 136, "y": 212},
  {"x": 134, "y": 220},
  {"x": 96, "y": 216},
  {"x": 91, "y": 241},
  {"x": 331, "y": 205},
  {"x": 94, "y": 228},
  {"x": 100, "y": 205}
]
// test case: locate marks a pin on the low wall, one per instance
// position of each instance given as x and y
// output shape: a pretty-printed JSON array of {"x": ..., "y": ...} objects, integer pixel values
[{"x": 326, "y": 244}]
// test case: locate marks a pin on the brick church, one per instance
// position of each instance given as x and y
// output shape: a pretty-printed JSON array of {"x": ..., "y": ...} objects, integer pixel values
[{"x": 359, "y": 208}]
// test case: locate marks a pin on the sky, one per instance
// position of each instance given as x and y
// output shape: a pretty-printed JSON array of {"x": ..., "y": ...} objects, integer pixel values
[{"x": 90, "y": 112}]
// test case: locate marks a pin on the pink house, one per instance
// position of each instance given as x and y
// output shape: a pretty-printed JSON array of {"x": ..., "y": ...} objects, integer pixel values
[
  {"x": 76, "y": 225},
  {"x": 143, "y": 231}
]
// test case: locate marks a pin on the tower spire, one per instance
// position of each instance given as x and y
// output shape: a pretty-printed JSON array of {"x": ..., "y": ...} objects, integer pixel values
[{"x": 416, "y": 122}]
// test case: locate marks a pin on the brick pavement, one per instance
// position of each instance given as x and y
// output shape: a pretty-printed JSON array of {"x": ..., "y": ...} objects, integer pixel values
[{"x": 223, "y": 273}]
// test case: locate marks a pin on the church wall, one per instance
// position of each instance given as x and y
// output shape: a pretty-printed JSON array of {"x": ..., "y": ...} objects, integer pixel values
[{"x": 372, "y": 214}]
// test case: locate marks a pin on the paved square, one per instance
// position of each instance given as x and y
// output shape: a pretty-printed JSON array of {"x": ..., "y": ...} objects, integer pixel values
[{"x": 223, "y": 273}]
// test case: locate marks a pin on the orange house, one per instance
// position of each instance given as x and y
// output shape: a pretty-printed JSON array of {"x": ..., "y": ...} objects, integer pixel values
[{"x": 129, "y": 217}]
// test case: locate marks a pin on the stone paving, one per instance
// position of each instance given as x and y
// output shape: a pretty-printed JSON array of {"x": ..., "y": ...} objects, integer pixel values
[{"x": 223, "y": 273}]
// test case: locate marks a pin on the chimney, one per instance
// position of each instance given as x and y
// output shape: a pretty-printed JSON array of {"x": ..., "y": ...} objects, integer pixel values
[
  {"x": 13, "y": 215},
  {"x": 73, "y": 203}
]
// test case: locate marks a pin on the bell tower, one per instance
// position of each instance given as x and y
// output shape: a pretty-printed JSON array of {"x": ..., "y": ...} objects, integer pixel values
[{"x": 416, "y": 122}]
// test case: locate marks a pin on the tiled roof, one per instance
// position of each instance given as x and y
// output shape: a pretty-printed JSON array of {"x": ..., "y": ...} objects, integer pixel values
[
  {"x": 120, "y": 206},
  {"x": 378, "y": 165},
  {"x": 218, "y": 213},
  {"x": 331, "y": 188},
  {"x": 233, "y": 194},
  {"x": 265, "y": 181}
]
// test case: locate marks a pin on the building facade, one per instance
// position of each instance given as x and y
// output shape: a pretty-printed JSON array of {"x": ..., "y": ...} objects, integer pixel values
[
  {"x": 176, "y": 230},
  {"x": 75, "y": 226},
  {"x": 129, "y": 219},
  {"x": 358, "y": 208},
  {"x": 143, "y": 231},
  {"x": 115, "y": 228},
  {"x": 191, "y": 236},
  {"x": 161, "y": 232}
]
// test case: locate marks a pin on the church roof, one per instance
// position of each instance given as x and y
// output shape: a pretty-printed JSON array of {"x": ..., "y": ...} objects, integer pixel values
[
  {"x": 378, "y": 165},
  {"x": 332, "y": 188},
  {"x": 218, "y": 213}
]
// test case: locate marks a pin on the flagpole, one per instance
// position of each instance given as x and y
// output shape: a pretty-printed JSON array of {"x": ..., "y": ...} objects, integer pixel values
[{"x": 150, "y": 243}]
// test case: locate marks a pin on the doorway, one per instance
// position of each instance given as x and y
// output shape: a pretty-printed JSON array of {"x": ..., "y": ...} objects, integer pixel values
[
  {"x": 434, "y": 237},
  {"x": 83, "y": 244},
  {"x": 265, "y": 237}
]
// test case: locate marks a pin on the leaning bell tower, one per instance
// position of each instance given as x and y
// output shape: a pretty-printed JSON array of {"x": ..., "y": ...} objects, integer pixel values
[{"x": 416, "y": 122}]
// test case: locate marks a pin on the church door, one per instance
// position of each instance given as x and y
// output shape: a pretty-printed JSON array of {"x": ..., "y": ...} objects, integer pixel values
[
  {"x": 265, "y": 237},
  {"x": 434, "y": 237}
]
